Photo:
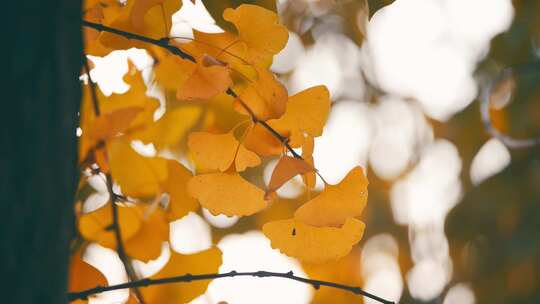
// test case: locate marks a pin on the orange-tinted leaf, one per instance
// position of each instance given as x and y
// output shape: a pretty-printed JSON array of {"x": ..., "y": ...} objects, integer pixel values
[
  {"x": 307, "y": 112},
  {"x": 110, "y": 124},
  {"x": 97, "y": 225},
  {"x": 172, "y": 72},
  {"x": 336, "y": 203},
  {"x": 251, "y": 21},
  {"x": 205, "y": 82},
  {"x": 180, "y": 203},
  {"x": 226, "y": 193},
  {"x": 313, "y": 244},
  {"x": 171, "y": 128},
  {"x": 83, "y": 275},
  {"x": 145, "y": 245},
  {"x": 212, "y": 151},
  {"x": 262, "y": 142},
  {"x": 179, "y": 264},
  {"x": 266, "y": 97},
  {"x": 137, "y": 175},
  {"x": 218, "y": 151},
  {"x": 245, "y": 158},
  {"x": 287, "y": 168}
]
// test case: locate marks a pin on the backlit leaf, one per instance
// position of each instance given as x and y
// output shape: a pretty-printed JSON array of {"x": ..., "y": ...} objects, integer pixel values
[
  {"x": 313, "y": 244},
  {"x": 336, "y": 203},
  {"x": 287, "y": 168},
  {"x": 97, "y": 225},
  {"x": 137, "y": 175},
  {"x": 251, "y": 21},
  {"x": 145, "y": 245},
  {"x": 83, "y": 275},
  {"x": 306, "y": 112},
  {"x": 226, "y": 193},
  {"x": 212, "y": 151},
  {"x": 207, "y": 261},
  {"x": 180, "y": 203}
]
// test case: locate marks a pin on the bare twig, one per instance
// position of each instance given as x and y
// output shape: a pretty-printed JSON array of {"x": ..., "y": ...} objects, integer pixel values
[
  {"x": 202, "y": 277},
  {"x": 119, "y": 242}
]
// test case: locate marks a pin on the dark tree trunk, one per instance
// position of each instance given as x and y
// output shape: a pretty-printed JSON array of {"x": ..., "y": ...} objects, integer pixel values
[{"x": 38, "y": 152}]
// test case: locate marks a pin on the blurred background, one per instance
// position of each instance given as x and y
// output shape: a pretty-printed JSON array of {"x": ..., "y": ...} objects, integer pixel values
[{"x": 438, "y": 101}]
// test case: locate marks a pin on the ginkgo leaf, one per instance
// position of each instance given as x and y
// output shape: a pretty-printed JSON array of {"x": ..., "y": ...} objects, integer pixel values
[
  {"x": 336, "y": 203},
  {"x": 309, "y": 178},
  {"x": 139, "y": 10},
  {"x": 245, "y": 158},
  {"x": 266, "y": 97},
  {"x": 145, "y": 245},
  {"x": 138, "y": 176},
  {"x": 207, "y": 158},
  {"x": 172, "y": 72},
  {"x": 226, "y": 193},
  {"x": 262, "y": 142},
  {"x": 207, "y": 261},
  {"x": 150, "y": 18},
  {"x": 83, "y": 275},
  {"x": 180, "y": 203},
  {"x": 110, "y": 124},
  {"x": 212, "y": 151},
  {"x": 313, "y": 244},
  {"x": 287, "y": 168},
  {"x": 97, "y": 225},
  {"x": 306, "y": 112},
  {"x": 171, "y": 128},
  {"x": 251, "y": 21},
  {"x": 117, "y": 112},
  {"x": 216, "y": 8},
  {"x": 205, "y": 82}
]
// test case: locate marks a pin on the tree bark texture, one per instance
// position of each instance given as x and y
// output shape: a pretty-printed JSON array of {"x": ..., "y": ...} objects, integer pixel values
[{"x": 42, "y": 45}]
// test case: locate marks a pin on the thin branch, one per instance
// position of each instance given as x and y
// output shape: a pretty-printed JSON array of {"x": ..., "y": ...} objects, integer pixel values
[
  {"x": 202, "y": 277},
  {"x": 126, "y": 261},
  {"x": 92, "y": 84},
  {"x": 164, "y": 43},
  {"x": 507, "y": 140},
  {"x": 114, "y": 198}
]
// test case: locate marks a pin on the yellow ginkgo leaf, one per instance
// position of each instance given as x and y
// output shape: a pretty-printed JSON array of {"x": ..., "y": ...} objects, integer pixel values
[
  {"x": 172, "y": 72},
  {"x": 171, "y": 128},
  {"x": 83, "y": 275},
  {"x": 226, "y": 193},
  {"x": 205, "y": 82},
  {"x": 245, "y": 158},
  {"x": 266, "y": 97},
  {"x": 306, "y": 112},
  {"x": 313, "y": 244},
  {"x": 97, "y": 225},
  {"x": 212, "y": 151},
  {"x": 262, "y": 142},
  {"x": 158, "y": 19},
  {"x": 336, "y": 203},
  {"x": 145, "y": 245},
  {"x": 110, "y": 124},
  {"x": 251, "y": 21},
  {"x": 287, "y": 168},
  {"x": 207, "y": 261},
  {"x": 138, "y": 176},
  {"x": 180, "y": 203}
]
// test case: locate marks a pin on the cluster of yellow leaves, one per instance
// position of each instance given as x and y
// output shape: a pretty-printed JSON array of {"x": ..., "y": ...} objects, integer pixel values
[{"x": 233, "y": 113}]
